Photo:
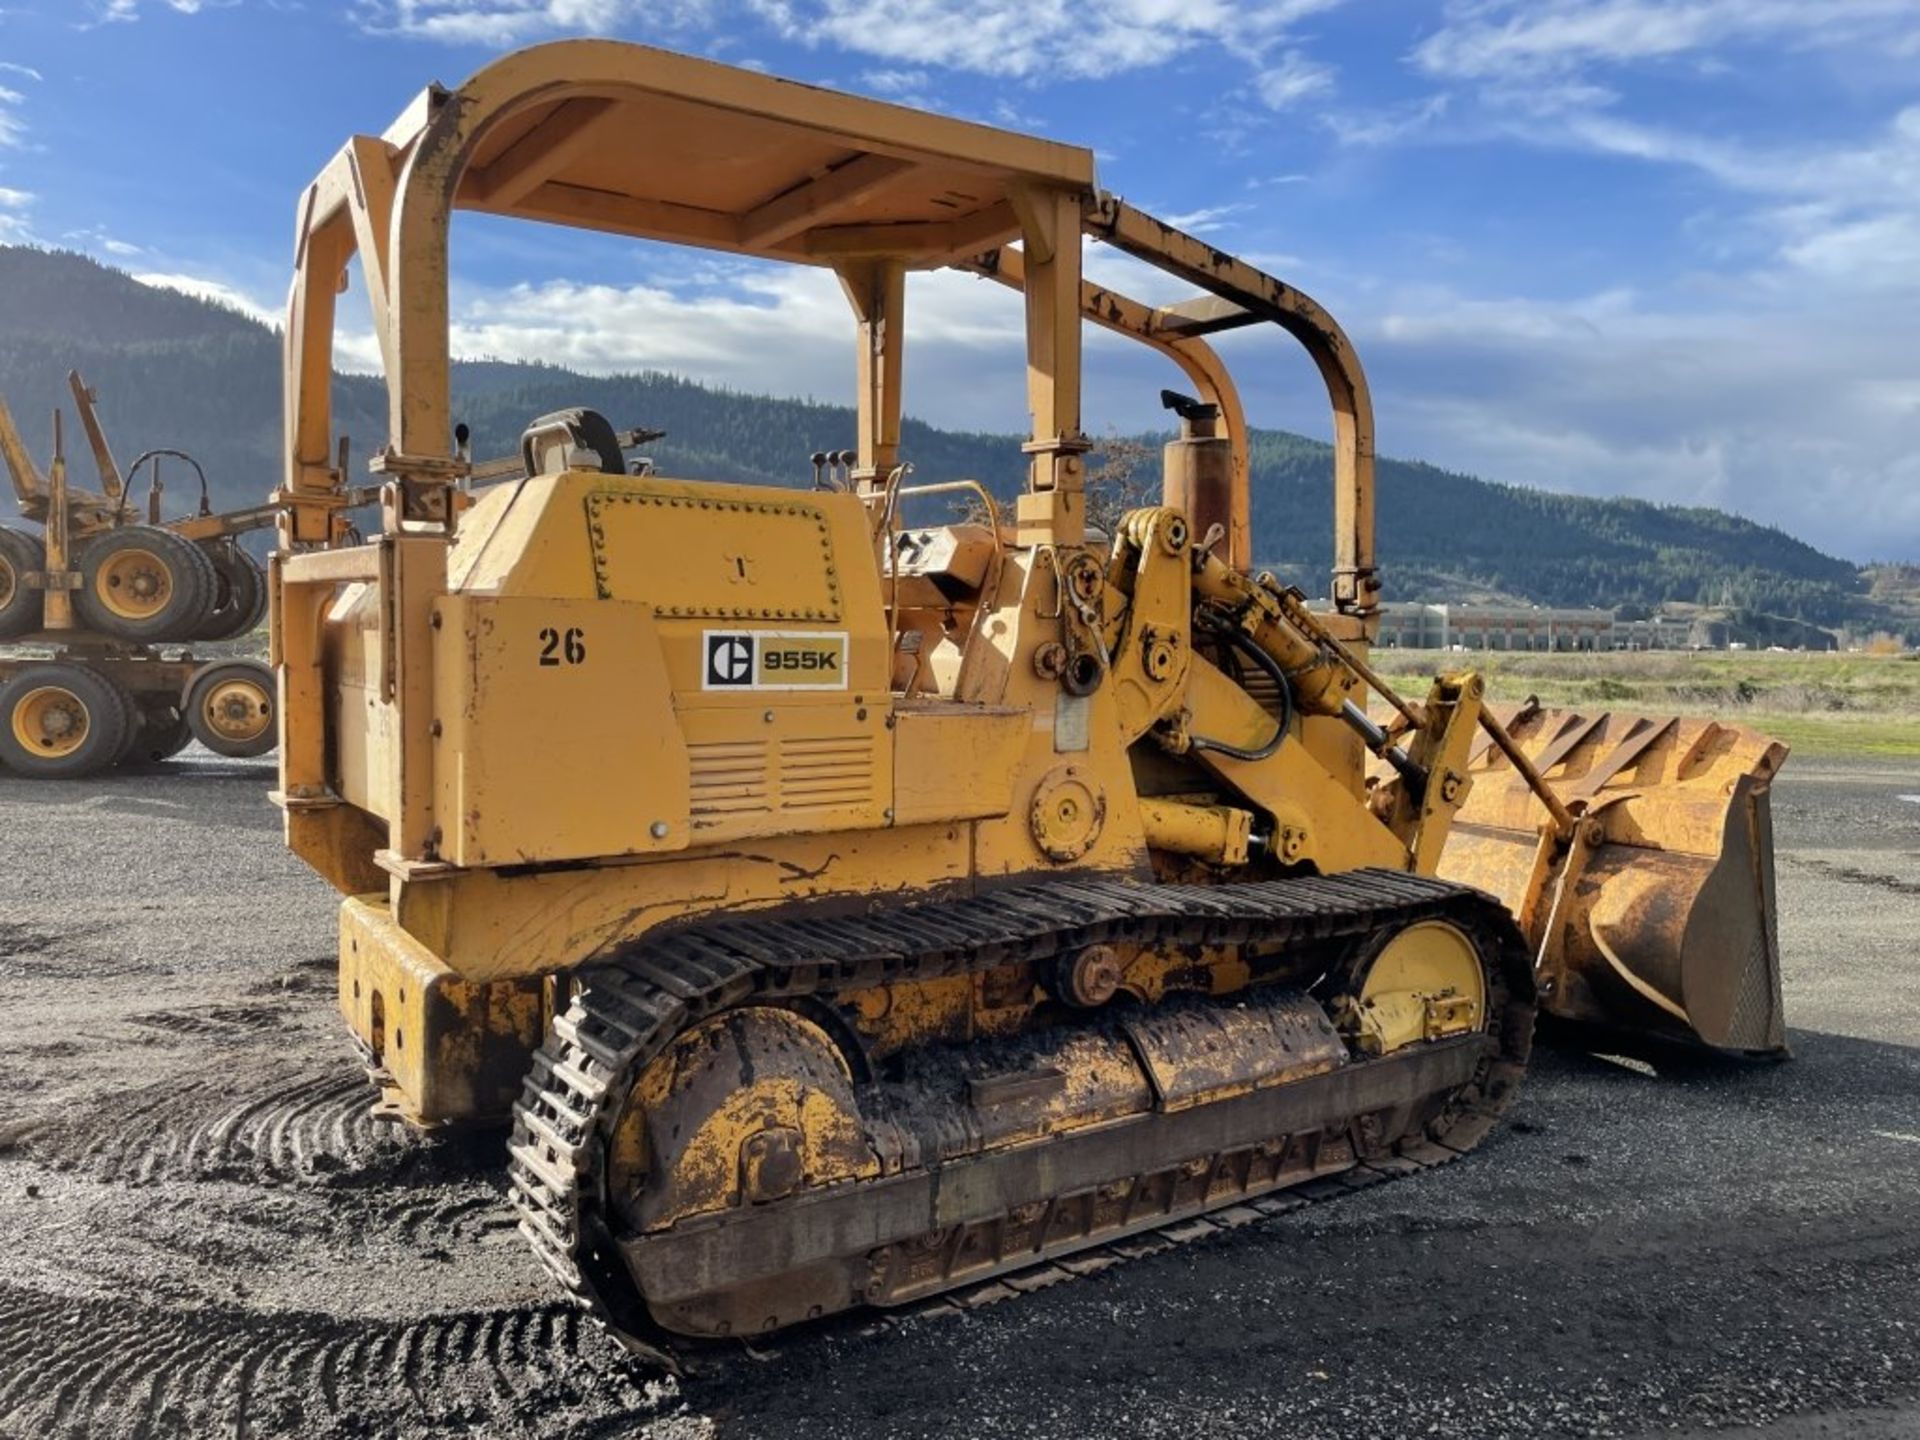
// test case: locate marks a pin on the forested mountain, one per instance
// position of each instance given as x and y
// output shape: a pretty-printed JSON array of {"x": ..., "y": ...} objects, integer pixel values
[{"x": 176, "y": 371}]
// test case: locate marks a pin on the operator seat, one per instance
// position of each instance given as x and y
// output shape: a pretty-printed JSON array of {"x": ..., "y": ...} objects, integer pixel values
[{"x": 577, "y": 439}]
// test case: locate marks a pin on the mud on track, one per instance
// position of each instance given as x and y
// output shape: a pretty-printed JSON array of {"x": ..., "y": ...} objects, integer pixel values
[{"x": 208, "y": 1232}]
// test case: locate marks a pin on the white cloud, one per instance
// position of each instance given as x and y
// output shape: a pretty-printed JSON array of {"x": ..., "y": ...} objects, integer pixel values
[
  {"x": 894, "y": 82},
  {"x": 218, "y": 291},
  {"x": 1487, "y": 39},
  {"x": 1882, "y": 169},
  {"x": 1209, "y": 217},
  {"x": 1757, "y": 404},
  {"x": 109, "y": 12},
  {"x": 1016, "y": 39},
  {"x": 1846, "y": 214},
  {"x": 1778, "y": 381},
  {"x": 1293, "y": 79},
  {"x": 12, "y": 128},
  {"x": 510, "y": 22},
  {"x": 737, "y": 323},
  {"x": 1882, "y": 251},
  {"x": 13, "y": 218},
  {"x": 1386, "y": 127},
  {"x": 27, "y": 70},
  {"x": 98, "y": 238},
  {"x": 1023, "y": 39}
]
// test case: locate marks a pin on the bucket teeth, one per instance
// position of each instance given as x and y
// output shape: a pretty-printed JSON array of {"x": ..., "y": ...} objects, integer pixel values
[{"x": 1658, "y": 917}]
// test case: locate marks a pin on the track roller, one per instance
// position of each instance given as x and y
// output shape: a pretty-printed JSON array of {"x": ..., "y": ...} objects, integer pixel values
[
  {"x": 230, "y": 708},
  {"x": 144, "y": 583},
  {"x": 61, "y": 721}
]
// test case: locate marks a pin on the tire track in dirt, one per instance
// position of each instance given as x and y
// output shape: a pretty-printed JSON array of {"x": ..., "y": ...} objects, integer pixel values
[
  {"x": 314, "y": 1124},
  {"x": 310, "y": 1127},
  {"x": 216, "y": 1022},
  {"x": 89, "y": 1367}
]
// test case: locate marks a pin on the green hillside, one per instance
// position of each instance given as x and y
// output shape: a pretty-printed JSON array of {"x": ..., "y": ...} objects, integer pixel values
[{"x": 173, "y": 370}]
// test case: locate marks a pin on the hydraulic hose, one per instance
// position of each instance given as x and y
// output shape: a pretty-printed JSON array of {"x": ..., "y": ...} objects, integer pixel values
[{"x": 1246, "y": 645}]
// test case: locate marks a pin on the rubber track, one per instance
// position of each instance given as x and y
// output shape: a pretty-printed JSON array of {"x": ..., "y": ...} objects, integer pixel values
[{"x": 628, "y": 1008}]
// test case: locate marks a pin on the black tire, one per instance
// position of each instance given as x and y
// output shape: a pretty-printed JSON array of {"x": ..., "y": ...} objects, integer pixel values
[
  {"x": 59, "y": 722},
  {"x": 144, "y": 583},
  {"x": 231, "y": 707},
  {"x": 162, "y": 734},
  {"x": 242, "y": 603},
  {"x": 20, "y": 608},
  {"x": 131, "y": 743}
]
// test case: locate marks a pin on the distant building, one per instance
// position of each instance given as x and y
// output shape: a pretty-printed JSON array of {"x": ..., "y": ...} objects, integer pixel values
[{"x": 1524, "y": 627}]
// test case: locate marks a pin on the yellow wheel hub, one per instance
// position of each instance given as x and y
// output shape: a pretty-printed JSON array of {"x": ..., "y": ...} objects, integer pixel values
[
  {"x": 1424, "y": 984},
  {"x": 51, "y": 722},
  {"x": 238, "y": 710},
  {"x": 134, "y": 584}
]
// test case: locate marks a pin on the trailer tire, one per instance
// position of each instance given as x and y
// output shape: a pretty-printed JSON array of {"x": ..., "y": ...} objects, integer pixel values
[
  {"x": 163, "y": 733},
  {"x": 20, "y": 555},
  {"x": 144, "y": 583},
  {"x": 242, "y": 594},
  {"x": 60, "y": 722},
  {"x": 230, "y": 706}
]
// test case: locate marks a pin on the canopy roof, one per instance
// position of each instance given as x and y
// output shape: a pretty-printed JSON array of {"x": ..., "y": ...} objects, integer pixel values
[
  {"x": 637, "y": 141},
  {"x": 648, "y": 143}
]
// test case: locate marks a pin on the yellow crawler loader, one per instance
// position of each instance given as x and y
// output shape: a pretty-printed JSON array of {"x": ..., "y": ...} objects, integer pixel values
[{"x": 840, "y": 910}]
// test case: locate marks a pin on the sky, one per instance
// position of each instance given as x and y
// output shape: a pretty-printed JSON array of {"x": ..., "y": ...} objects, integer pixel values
[{"x": 1659, "y": 248}]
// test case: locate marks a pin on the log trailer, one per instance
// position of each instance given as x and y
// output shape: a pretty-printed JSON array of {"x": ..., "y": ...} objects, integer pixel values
[{"x": 98, "y": 603}]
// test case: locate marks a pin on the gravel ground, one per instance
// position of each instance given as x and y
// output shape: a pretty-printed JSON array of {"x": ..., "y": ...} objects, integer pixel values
[{"x": 207, "y": 1234}]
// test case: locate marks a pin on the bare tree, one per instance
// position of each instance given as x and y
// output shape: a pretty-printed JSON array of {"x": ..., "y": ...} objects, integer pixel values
[{"x": 1120, "y": 477}]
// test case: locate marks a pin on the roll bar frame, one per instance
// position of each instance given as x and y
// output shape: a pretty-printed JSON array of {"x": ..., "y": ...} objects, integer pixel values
[{"x": 389, "y": 200}]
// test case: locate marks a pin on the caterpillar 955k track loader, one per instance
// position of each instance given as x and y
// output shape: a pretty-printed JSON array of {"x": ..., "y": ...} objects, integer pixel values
[{"x": 843, "y": 911}]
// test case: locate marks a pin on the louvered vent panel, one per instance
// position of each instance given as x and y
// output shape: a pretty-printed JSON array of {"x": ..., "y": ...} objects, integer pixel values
[
  {"x": 727, "y": 778},
  {"x": 825, "y": 773}
]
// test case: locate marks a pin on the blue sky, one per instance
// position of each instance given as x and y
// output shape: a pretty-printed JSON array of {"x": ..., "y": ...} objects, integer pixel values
[{"x": 1667, "y": 248}]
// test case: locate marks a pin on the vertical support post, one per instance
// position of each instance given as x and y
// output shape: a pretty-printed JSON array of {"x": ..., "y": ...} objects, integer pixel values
[
  {"x": 416, "y": 345},
  {"x": 877, "y": 290},
  {"x": 59, "y": 537},
  {"x": 1053, "y": 511},
  {"x": 298, "y": 611},
  {"x": 322, "y": 250},
  {"x": 416, "y": 578}
]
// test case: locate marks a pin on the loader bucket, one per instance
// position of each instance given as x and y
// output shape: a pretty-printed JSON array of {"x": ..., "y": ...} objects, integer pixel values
[{"x": 1657, "y": 915}]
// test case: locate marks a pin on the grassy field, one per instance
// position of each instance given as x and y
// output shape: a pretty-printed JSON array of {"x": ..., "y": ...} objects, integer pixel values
[{"x": 1831, "y": 705}]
